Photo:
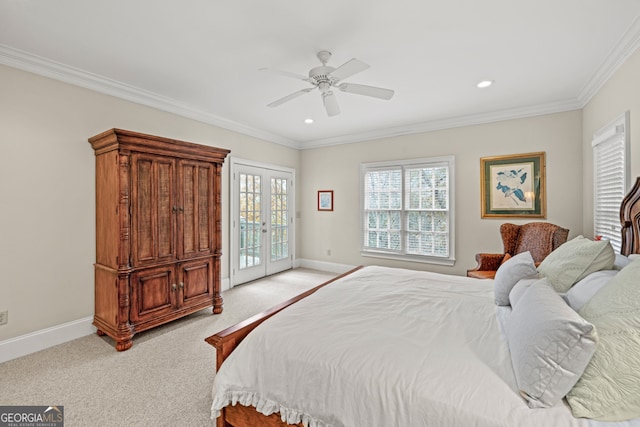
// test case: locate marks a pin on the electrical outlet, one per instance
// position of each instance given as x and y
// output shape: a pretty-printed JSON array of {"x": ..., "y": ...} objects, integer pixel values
[{"x": 4, "y": 317}]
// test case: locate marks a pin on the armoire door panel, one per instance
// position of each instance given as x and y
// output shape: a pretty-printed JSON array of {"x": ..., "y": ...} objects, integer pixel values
[
  {"x": 197, "y": 209},
  {"x": 188, "y": 214},
  {"x": 205, "y": 195},
  {"x": 165, "y": 207},
  {"x": 197, "y": 280},
  {"x": 153, "y": 292},
  {"x": 143, "y": 215},
  {"x": 154, "y": 209}
]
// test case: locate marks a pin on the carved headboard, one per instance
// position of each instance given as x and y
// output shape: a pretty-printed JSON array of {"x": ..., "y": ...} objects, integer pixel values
[{"x": 630, "y": 220}]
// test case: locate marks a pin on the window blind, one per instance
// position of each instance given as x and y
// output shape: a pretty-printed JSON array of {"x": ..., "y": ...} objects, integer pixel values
[{"x": 610, "y": 146}]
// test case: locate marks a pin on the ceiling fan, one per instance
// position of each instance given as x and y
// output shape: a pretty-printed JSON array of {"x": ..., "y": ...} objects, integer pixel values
[{"x": 326, "y": 78}]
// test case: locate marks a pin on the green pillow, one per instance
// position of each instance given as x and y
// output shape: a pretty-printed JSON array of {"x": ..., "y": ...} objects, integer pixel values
[
  {"x": 609, "y": 389},
  {"x": 575, "y": 260}
]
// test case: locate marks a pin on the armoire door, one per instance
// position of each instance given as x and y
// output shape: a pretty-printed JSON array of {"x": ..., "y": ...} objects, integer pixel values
[
  {"x": 153, "y": 209},
  {"x": 153, "y": 293},
  {"x": 196, "y": 281},
  {"x": 195, "y": 209}
]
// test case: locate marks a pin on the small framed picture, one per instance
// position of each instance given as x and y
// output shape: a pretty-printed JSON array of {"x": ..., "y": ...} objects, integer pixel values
[{"x": 325, "y": 200}]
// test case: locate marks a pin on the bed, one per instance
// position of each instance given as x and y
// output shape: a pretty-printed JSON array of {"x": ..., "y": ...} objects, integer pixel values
[{"x": 384, "y": 346}]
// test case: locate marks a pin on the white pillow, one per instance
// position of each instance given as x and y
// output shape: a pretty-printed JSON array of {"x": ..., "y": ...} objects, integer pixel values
[
  {"x": 520, "y": 266},
  {"x": 574, "y": 260},
  {"x": 621, "y": 262},
  {"x": 550, "y": 345},
  {"x": 582, "y": 291},
  {"x": 519, "y": 289}
]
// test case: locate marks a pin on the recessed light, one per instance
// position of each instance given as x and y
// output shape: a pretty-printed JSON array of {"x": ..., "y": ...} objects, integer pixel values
[
  {"x": 485, "y": 83},
  {"x": 308, "y": 121}
]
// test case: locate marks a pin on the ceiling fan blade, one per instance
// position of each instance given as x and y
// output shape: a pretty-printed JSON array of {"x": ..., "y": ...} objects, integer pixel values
[
  {"x": 330, "y": 104},
  {"x": 286, "y": 74},
  {"x": 376, "y": 92},
  {"x": 349, "y": 68},
  {"x": 290, "y": 97}
]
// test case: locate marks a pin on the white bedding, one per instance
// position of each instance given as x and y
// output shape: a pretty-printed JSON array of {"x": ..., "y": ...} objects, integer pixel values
[{"x": 385, "y": 347}]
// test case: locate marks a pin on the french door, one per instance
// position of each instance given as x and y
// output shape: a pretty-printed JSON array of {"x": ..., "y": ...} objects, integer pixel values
[{"x": 262, "y": 221}]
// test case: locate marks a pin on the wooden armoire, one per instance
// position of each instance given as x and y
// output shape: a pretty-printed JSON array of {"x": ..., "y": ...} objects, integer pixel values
[{"x": 158, "y": 231}]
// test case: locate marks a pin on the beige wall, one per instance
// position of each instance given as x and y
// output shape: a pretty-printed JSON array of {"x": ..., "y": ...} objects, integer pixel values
[
  {"x": 47, "y": 233},
  {"x": 47, "y": 211},
  {"x": 337, "y": 168},
  {"x": 621, "y": 93}
]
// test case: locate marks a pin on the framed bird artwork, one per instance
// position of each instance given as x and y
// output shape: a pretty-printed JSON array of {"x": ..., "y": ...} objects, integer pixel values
[{"x": 513, "y": 186}]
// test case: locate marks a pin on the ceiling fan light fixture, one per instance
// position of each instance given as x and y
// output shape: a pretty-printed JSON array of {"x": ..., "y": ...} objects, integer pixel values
[
  {"x": 324, "y": 78},
  {"x": 484, "y": 83}
]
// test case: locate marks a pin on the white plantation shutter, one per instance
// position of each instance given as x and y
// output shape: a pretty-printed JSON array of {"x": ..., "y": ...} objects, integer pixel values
[
  {"x": 407, "y": 210},
  {"x": 610, "y": 166}
]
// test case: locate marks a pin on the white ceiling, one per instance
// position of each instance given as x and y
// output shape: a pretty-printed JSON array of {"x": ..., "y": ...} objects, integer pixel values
[{"x": 201, "y": 58}]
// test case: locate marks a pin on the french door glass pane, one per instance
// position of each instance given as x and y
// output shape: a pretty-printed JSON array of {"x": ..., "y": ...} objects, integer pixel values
[
  {"x": 250, "y": 220},
  {"x": 279, "y": 223}
]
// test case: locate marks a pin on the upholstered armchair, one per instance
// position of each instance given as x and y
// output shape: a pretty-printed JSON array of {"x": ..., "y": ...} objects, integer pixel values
[{"x": 539, "y": 238}]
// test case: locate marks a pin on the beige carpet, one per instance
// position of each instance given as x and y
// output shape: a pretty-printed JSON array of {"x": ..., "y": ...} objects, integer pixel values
[{"x": 165, "y": 379}]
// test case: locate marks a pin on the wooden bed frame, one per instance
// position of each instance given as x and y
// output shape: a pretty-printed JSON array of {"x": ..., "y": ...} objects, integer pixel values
[{"x": 226, "y": 341}]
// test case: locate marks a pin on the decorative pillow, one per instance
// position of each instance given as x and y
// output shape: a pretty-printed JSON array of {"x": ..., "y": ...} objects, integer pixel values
[
  {"x": 574, "y": 260},
  {"x": 609, "y": 390},
  {"x": 550, "y": 345},
  {"x": 519, "y": 289},
  {"x": 621, "y": 262},
  {"x": 582, "y": 291},
  {"x": 518, "y": 267}
]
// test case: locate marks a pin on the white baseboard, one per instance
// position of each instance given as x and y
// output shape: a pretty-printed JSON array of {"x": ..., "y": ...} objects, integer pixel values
[
  {"x": 225, "y": 284},
  {"x": 324, "y": 266},
  {"x": 45, "y": 338}
]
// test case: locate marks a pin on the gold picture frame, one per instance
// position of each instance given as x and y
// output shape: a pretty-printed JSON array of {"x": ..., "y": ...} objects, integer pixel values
[{"x": 513, "y": 186}]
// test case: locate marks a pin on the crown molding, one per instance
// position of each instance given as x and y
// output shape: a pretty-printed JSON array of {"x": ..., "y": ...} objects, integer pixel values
[
  {"x": 16, "y": 58},
  {"x": 45, "y": 67},
  {"x": 625, "y": 47},
  {"x": 455, "y": 122}
]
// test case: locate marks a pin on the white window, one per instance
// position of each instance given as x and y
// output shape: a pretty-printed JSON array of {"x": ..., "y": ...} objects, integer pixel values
[
  {"x": 610, "y": 178},
  {"x": 407, "y": 210}
]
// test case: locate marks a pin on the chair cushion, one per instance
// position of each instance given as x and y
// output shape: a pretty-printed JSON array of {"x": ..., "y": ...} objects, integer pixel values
[{"x": 480, "y": 274}]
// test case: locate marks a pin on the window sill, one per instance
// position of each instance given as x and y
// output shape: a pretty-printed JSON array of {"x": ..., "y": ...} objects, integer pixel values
[{"x": 410, "y": 258}]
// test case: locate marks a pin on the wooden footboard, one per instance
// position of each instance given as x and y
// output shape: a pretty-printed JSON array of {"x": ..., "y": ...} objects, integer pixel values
[{"x": 228, "y": 339}]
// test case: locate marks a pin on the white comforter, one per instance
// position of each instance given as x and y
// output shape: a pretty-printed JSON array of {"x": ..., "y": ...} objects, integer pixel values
[{"x": 384, "y": 347}]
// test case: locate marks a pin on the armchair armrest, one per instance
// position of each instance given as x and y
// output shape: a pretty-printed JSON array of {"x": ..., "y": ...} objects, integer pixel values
[{"x": 488, "y": 262}]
